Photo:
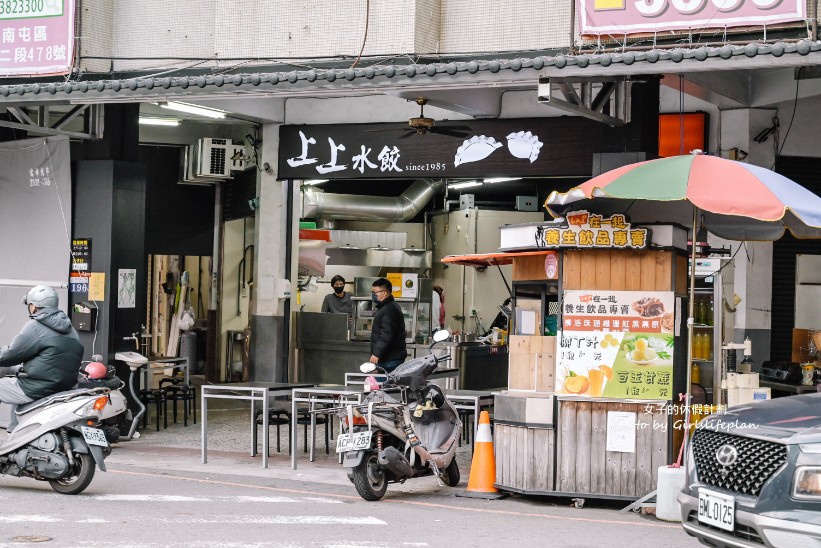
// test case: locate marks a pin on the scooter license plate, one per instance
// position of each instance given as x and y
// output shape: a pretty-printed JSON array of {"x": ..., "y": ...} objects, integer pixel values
[
  {"x": 94, "y": 436},
  {"x": 353, "y": 442}
]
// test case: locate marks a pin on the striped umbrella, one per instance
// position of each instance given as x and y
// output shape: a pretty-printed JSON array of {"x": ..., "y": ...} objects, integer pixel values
[{"x": 739, "y": 201}]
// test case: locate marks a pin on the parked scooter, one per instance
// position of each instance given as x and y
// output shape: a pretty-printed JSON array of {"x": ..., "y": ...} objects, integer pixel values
[
  {"x": 404, "y": 429},
  {"x": 116, "y": 417},
  {"x": 57, "y": 440}
]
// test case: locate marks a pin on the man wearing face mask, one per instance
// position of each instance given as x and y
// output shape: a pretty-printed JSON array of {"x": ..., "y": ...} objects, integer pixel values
[
  {"x": 388, "y": 349},
  {"x": 339, "y": 301}
]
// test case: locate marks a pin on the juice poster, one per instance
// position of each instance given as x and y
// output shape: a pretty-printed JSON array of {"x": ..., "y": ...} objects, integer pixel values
[{"x": 616, "y": 344}]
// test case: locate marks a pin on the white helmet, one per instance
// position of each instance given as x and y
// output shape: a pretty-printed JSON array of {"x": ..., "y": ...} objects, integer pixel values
[{"x": 41, "y": 296}]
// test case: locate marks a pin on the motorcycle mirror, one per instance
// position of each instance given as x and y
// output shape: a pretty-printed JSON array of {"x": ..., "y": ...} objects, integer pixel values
[
  {"x": 441, "y": 335},
  {"x": 367, "y": 367}
]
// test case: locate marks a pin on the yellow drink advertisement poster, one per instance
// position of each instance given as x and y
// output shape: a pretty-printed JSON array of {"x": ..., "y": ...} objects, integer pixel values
[
  {"x": 395, "y": 278},
  {"x": 616, "y": 344}
]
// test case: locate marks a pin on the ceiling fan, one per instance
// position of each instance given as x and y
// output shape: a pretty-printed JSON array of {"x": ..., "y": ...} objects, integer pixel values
[{"x": 422, "y": 125}]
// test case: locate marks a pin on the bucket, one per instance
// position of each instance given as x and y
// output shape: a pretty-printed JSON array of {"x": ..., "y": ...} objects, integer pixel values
[
  {"x": 808, "y": 374},
  {"x": 670, "y": 482}
]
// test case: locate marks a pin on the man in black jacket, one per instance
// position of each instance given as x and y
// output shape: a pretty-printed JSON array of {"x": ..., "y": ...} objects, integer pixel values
[
  {"x": 388, "y": 332},
  {"x": 45, "y": 356}
]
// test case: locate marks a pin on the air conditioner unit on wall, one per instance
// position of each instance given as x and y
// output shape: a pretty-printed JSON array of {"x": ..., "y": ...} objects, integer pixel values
[
  {"x": 187, "y": 176},
  {"x": 212, "y": 158}
]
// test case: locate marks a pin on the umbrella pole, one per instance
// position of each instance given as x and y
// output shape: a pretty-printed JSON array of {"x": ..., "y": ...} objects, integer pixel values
[{"x": 690, "y": 321}]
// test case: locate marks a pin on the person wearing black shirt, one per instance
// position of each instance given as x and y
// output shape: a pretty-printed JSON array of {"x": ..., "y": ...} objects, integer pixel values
[
  {"x": 339, "y": 301},
  {"x": 388, "y": 349}
]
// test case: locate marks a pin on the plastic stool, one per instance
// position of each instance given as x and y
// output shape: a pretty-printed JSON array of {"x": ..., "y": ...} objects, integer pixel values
[
  {"x": 180, "y": 392},
  {"x": 157, "y": 397},
  {"x": 277, "y": 416}
]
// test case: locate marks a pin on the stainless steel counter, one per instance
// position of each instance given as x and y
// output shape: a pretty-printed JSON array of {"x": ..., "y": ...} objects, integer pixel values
[{"x": 481, "y": 367}]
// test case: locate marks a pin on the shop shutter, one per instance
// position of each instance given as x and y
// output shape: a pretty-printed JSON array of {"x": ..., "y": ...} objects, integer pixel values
[{"x": 807, "y": 172}]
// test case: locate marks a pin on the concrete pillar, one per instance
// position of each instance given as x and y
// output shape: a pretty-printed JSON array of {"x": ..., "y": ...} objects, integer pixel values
[
  {"x": 268, "y": 321},
  {"x": 753, "y": 265}
]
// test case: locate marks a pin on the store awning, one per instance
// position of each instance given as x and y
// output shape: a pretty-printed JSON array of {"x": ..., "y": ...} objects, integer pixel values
[{"x": 490, "y": 259}]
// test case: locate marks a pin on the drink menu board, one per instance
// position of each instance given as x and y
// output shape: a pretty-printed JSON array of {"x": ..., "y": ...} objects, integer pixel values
[{"x": 616, "y": 344}]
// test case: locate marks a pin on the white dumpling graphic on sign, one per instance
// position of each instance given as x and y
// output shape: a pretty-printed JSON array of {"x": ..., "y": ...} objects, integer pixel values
[
  {"x": 474, "y": 149},
  {"x": 524, "y": 145}
]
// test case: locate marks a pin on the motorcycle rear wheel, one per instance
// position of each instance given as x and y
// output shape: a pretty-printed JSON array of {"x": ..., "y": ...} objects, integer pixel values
[
  {"x": 81, "y": 478},
  {"x": 369, "y": 478},
  {"x": 452, "y": 476}
]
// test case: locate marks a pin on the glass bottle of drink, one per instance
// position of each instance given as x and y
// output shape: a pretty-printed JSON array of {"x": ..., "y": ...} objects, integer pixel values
[
  {"x": 695, "y": 374},
  {"x": 707, "y": 346},
  {"x": 701, "y": 311},
  {"x": 697, "y": 346},
  {"x": 709, "y": 311}
]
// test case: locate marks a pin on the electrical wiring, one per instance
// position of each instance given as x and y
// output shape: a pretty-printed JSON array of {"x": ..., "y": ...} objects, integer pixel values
[{"x": 364, "y": 38}]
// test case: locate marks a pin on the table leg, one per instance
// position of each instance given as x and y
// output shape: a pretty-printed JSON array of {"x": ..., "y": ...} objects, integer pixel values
[
  {"x": 312, "y": 450},
  {"x": 265, "y": 432},
  {"x": 475, "y": 422},
  {"x": 204, "y": 423},
  {"x": 253, "y": 426},
  {"x": 186, "y": 369},
  {"x": 292, "y": 441}
]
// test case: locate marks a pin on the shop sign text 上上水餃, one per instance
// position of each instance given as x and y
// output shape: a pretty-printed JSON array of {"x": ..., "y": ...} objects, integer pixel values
[{"x": 524, "y": 147}]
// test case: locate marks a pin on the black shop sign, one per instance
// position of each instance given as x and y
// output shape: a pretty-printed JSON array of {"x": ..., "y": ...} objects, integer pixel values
[{"x": 516, "y": 147}]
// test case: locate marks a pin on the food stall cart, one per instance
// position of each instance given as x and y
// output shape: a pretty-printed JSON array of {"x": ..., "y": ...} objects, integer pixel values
[{"x": 590, "y": 412}]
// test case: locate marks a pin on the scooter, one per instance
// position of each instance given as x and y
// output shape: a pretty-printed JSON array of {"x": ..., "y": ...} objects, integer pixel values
[
  {"x": 57, "y": 440},
  {"x": 404, "y": 429},
  {"x": 115, "y": 416}
]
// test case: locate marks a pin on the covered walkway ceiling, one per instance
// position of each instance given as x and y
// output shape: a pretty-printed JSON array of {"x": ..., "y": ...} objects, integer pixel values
[{"x": 752, "y": 75}]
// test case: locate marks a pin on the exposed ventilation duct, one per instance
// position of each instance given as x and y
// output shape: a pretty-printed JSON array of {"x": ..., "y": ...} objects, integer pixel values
[{"x": 317, "y": 204}]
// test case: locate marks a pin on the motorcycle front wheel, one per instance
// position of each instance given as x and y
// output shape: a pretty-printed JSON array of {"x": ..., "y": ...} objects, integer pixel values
[
  {"x": 369, "y": 478},
  {"x": 79, "y": 479}
]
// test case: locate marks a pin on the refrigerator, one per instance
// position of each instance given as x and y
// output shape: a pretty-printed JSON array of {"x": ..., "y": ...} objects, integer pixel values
[{"x": 713, "y": 322}]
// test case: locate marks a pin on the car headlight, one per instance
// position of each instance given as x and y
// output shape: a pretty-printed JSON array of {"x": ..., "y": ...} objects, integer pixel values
[{"x": 807, "y": 482}]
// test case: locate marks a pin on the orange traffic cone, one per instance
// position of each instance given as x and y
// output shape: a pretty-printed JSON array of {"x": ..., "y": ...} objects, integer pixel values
[{"x": 483, "y": 466}]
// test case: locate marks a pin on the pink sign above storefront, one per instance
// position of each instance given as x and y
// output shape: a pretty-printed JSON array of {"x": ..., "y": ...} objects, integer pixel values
[
  {"x": 36, "y": 37},
  {"x": 646, "y": 16}
]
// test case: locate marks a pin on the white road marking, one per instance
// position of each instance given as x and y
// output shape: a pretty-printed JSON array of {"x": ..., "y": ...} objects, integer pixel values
[
  {"x": 284, "y": 520},
  {"x": 150, "y": 498},
  {"x": 179, "y": 498},
  {"x": 20, "y": 518},
  {"x": 258, "y": 520}
]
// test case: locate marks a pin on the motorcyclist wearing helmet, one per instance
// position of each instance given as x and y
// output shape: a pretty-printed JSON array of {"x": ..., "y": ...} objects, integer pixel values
[{"x": 45, "y": 356}]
